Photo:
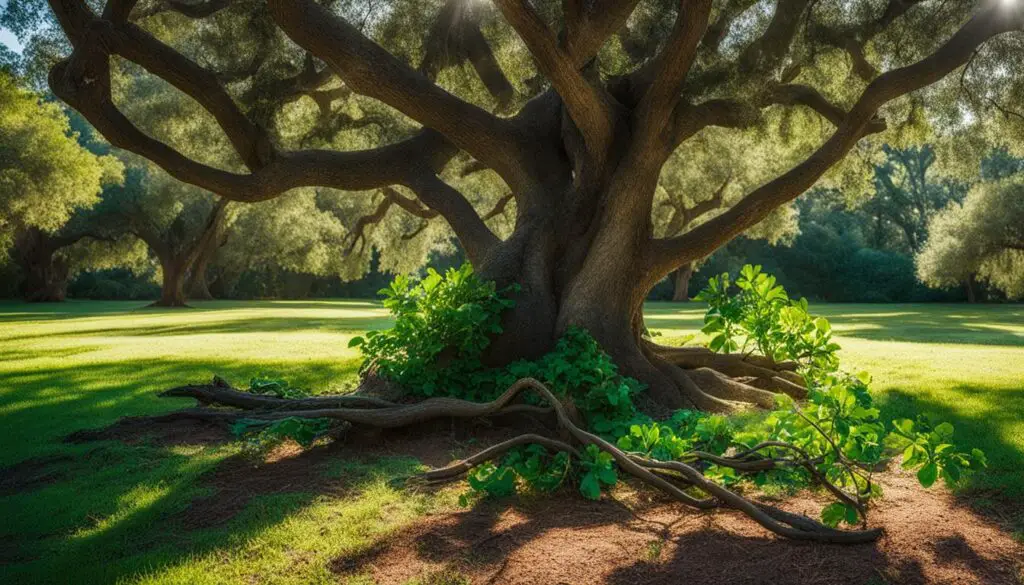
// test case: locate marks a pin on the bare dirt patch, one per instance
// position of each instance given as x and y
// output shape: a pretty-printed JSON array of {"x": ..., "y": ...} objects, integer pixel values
[
  {"x": 32, "y": 474},
  {"x": 134, "y": 430},
  {"x": 565, "y": 539},
  {"x": 289, "y": 469}
]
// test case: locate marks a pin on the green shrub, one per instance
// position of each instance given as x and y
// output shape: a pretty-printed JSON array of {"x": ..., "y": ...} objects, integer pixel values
[{"x": 443, "y": 324}]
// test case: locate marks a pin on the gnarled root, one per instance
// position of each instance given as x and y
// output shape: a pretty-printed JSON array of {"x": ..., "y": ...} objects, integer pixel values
[
  {"x": 673, "y": 478},
  {"x": 725, "y": 382}
]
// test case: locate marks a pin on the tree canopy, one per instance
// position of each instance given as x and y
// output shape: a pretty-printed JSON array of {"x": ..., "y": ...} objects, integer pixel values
[
  {"x": 982, "y": 238},
  {"x": 45, "y": 174}
]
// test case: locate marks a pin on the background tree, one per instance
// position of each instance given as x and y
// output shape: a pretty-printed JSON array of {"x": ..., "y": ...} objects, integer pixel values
[
  {"x": 178, "y": 223},
  {"x": 983, "y": 238},
  {"x": 701, "y": 179},
  {"x": 46, "y": 176},
  {"x": 906, "y": 197},
  {"x": 589, "y": 130}
]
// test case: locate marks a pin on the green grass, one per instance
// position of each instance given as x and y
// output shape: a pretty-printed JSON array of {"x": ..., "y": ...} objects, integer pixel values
[{"x": 110, "y": 515}]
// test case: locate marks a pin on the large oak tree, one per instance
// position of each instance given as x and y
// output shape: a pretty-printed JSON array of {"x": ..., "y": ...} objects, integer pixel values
[{"x": 573, "y": 106}]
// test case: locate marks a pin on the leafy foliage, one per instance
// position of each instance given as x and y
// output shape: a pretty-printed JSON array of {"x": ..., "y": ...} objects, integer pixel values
[
  {"x": 45, "y": 174},
  {"x": 762, "y": 314},
  {"x": 527, "y": 469},
  {"x": 442, "y": 326},
  {"x": 981, "y": 238},
  {"x": 261, "y": 436}
]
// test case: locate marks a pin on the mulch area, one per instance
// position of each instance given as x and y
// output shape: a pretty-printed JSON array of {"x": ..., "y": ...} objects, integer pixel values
[{"x": 566, "y": 539}]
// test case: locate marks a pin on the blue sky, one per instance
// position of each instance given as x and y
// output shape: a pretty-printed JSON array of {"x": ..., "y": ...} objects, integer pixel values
[{"x": 6, "y": 37}]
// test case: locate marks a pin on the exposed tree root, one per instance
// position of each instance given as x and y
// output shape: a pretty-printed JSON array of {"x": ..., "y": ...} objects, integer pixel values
[
  {"x": 725, "y": 382},
  {"x": 679, "y": 480}
]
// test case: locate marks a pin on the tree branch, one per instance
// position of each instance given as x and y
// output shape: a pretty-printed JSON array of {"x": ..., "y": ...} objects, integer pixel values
[
  {"x": 391, "y": 197},
  {"x": 83, "y": 82},
  {"x": 853, "y": 40},
  {"x": 474, "y": 235},
  {"x": 587, "y": 106},
  {"x": 589, "y": 29},
  {"x": 499, "y": 207},
  {"x": 370, "y": 70},
  {"x": 671, "y": 67},
  {"x": 666, "y": 254},
  {"x": 805, "y": 95},
  {"x": 200, "y": 9},
  {"x": 454, "y": 38}
]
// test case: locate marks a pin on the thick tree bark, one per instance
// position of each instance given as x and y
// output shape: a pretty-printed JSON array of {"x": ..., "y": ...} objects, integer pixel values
[
  {"x": 970, "y": 286},
  {"x": 198, "y": 287},
  {"x": 179, "y": 254},
  {"x": 681, "y": 281}
]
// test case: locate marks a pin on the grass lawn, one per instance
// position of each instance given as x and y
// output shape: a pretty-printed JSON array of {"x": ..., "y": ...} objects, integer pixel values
[{"x": 109, "y": 512}]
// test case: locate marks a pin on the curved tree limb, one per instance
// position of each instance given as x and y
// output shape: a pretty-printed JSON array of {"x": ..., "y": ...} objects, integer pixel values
[
  {"x": 370, "y": 70},
  {"x": 667, "y": 254}
]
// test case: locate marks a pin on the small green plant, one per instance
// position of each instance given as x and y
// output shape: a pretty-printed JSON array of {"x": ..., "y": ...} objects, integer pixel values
[
  {"x": 598, "y": 470},
  {"x": 529, "y": 468},
  {"x": 762, "y": 314},
  {"x": 275, "y": 386},
  {"x": 261, "y": 436},
  {"x": 443, "y": 323}
]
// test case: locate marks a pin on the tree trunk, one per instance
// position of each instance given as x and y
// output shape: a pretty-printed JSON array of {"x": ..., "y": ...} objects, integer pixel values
[
  {"x": 172, "y": 291},
  {"x": 970, "y": 286},
  {"x": 681, "y": 279},
  {"x": 198, "y": 287},
  {"x": 45, "y": 274}
]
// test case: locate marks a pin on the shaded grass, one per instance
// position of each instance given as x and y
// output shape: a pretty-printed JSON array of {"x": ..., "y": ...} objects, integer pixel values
[{"x": 107, "y": 513}]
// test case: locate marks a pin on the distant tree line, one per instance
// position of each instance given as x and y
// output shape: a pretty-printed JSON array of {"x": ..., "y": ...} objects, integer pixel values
[{"x": 920, "y": 237}]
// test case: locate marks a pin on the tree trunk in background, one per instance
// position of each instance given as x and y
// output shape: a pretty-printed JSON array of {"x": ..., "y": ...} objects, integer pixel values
[
  {"x": 172, "y": 292},
  {"x": 970, "y": 286},
  {"x": 681, "y": 279},
  {"x": 198, "y": 287},
  {"x": 45, "y": 275}
]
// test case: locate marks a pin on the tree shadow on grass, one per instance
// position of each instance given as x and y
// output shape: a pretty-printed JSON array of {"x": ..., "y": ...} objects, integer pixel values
[
  {"x": 46, "y": 403},
  {"x": 146, "y": 497}
]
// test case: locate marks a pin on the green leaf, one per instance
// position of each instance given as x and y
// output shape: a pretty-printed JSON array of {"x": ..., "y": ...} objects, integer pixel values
[
  {"x": 607, "y": 476},
  {"x": 908, "y": 455},
  {"x": 355, "y": 341},
  {"x": 851, "y": 514},
  {"x": 951, "y": 471},
  {"x": 944, "y": 430},
  {"x": 590, "y": 486},
  {"x": 928, "y": 474},
  {"x": 833, "y": 514},
  {"x": 905, "y": 425}
]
